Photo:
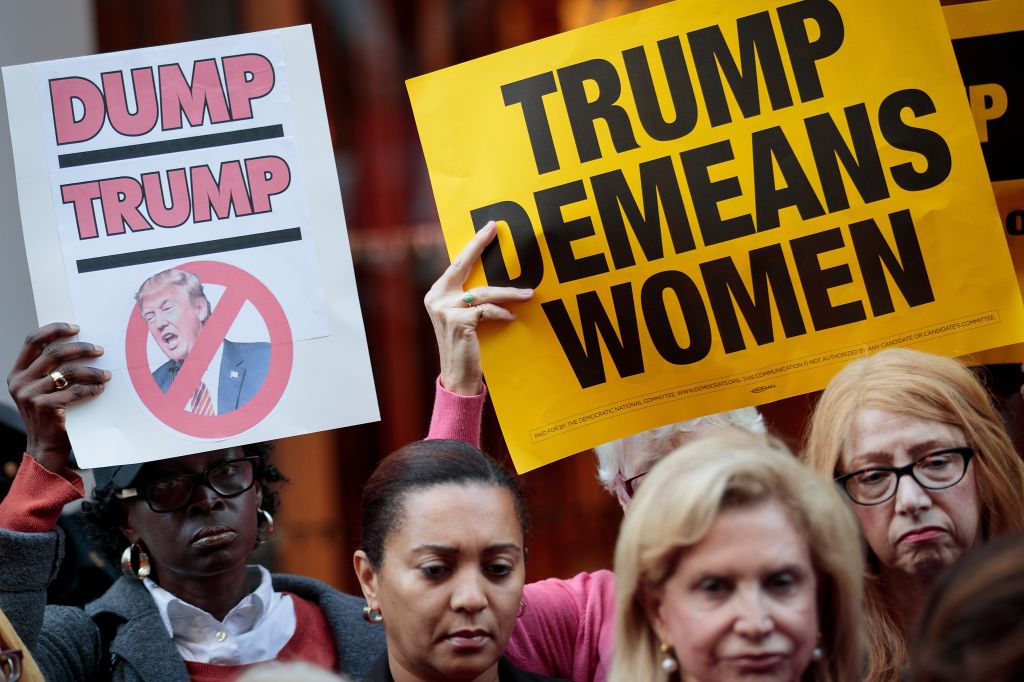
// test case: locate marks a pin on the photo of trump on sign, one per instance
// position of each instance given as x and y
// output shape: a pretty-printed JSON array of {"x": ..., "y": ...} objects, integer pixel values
[{"x": 175, "y": 307}]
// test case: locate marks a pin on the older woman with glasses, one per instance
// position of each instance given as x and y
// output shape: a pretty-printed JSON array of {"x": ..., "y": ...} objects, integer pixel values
[
  {"x": 926, "y": 463},
  {"x": 189, "y": 607}
]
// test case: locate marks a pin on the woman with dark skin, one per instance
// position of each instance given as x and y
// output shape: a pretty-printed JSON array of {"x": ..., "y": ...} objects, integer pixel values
[
  {"x": 200, "y": 552},
  {"x": 200, "y": 613},
  {"x": 442, "y": 562}
]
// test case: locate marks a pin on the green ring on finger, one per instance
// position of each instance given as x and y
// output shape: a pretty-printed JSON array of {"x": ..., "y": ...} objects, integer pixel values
[{"x": 468, "y": 298}]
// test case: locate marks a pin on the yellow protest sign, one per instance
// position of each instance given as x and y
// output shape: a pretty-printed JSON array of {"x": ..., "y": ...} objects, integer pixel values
[
  {"x": 988, "y": 40},
  {"x": 717, "y": 205}
]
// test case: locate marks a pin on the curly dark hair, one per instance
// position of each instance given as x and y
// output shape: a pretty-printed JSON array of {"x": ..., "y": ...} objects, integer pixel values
[{"x": 103, "y": 515}]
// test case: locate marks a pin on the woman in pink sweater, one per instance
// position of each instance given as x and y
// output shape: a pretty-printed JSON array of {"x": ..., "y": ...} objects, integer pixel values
[{"x": 567, "y": 629}]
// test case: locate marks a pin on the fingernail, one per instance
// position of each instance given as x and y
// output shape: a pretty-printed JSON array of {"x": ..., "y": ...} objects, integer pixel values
[
  {"x": 107, "y": 375},
  {"x": 72, "y": 327},
  {"x": 97, "y": 348}
]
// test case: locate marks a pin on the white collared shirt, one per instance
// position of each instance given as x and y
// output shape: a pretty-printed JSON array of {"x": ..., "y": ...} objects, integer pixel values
[{"x": 255, "y": 630}]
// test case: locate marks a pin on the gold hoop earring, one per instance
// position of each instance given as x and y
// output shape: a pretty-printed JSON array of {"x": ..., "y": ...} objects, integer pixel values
[
  {"x": 127, "y": 565},
  {"x": 265, "y": 527},
  {"x": 372, "y": 615}
]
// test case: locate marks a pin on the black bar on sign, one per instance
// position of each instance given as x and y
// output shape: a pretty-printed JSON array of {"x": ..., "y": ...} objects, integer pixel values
[
  {"x": 185, "y": 144},
  {"x": 121, "y": 260}
]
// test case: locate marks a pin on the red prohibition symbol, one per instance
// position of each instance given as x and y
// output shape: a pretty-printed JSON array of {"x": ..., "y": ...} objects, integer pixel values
[{"x": 171, "y": 407}]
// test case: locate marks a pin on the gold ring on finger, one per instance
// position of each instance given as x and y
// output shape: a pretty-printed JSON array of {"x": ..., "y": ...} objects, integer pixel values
[
  {"x": 479, "y": 314},
  {"x": 59, "y": 380}
]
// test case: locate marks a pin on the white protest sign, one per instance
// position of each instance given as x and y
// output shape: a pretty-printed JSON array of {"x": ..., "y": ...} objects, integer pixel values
[{"x": 185, "y": 199}]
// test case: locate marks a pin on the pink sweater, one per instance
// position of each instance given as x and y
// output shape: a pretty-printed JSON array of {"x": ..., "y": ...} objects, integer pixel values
[{"x": 567, "y": 627}]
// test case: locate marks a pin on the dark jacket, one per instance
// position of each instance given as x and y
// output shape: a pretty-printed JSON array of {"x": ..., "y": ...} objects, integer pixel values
[
  {"x": 121, "y": 637},
  {"x": 506, "y": 673}
]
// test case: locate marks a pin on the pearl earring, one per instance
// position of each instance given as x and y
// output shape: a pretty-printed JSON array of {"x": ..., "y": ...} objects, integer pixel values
[{"x": 668, "y": 660}]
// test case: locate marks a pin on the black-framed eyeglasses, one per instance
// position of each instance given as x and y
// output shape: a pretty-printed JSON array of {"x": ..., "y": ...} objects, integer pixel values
[
  {"x": 934, "y": 471},
  {"x": 227, "y": 478},
  {"x": 632, "y": 484},
  {"x": 10, "y": 665}
]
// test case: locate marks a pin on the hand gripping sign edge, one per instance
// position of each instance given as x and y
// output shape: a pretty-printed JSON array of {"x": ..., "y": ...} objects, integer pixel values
[{"x": 174, "y": 415}]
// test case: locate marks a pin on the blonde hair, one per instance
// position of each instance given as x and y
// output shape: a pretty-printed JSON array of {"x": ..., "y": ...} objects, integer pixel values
[
  {"x": 923, "y": 386},
  {"x": 10, "y": 640},
  {"x": 674, "y": 510}
]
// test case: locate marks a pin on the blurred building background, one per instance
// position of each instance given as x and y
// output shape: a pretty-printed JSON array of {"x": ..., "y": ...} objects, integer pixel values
[{"x": 366, "y": 49}]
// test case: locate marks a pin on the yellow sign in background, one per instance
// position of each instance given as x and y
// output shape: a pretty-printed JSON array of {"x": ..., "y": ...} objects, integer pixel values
[
  {"x": 988, "y": 39},
  {"x": 717, "y": 204}
]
